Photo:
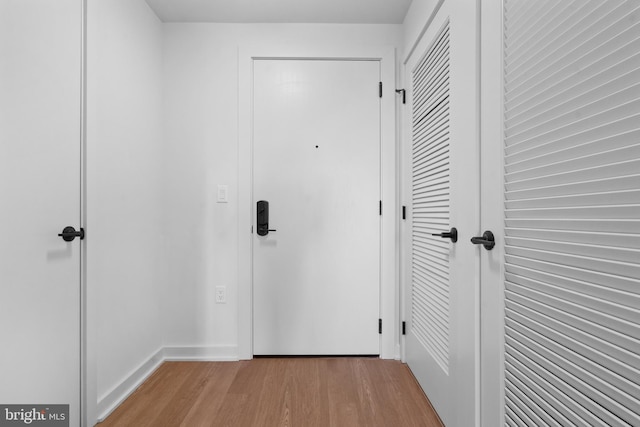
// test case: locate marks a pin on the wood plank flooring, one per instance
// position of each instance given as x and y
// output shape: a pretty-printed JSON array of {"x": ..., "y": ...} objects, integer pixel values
[{"x": 275, "y": 392}]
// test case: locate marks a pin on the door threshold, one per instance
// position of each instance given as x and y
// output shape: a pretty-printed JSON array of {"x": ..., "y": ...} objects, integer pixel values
[{"x": 312, "y": 356}]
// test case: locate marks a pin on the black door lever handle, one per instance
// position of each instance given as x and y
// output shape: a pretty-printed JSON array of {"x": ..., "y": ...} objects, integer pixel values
[
  {"x": 451, "y": 234},
  {"x": 69, "y": 234},
  {"x": 487, "y": 240}
]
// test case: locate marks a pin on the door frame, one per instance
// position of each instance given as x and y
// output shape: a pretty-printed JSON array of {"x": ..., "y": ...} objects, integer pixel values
[
  {"x": 88, "y": 357},
  {"x": 389, "y": 342},
  {"x": 492, "y": 310}
]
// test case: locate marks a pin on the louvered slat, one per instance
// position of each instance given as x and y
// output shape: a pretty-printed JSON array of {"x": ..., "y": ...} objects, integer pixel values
[
  {"x": 588, "y": 20},
  {"x": 572, "y": 213},
  {"x": 430, "y": 194},
  {"x": 545, "y": 35}
]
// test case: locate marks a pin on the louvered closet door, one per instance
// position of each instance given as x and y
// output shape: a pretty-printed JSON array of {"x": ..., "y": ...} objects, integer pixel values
[
  {"x": 442, "y": 281},
  {"x": 572, "y": 180}
]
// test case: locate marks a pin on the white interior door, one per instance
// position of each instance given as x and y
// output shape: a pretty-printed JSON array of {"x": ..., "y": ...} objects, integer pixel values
[
  {"x": 40, "y": 134},
  {"x": 442, "y": 286},
  {"x": 316, "y": 160},
  {"x": 571, "y": 152}
]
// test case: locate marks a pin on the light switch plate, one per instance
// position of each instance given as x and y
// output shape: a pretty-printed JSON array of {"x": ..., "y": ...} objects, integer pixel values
[
  {"x": 223, "y": 194},
  {"x": 221, "y": 295}
]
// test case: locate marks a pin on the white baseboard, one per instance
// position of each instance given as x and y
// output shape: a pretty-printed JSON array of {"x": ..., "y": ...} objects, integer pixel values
[
  {"x": 118, "y": 394},
  {"x": 202, "y": 354}
]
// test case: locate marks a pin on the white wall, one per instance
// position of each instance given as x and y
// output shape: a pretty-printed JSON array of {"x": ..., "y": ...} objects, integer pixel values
[
  {"x": 162, "y": 133},
  {"x": 125, "y": 195},
  {"x": 201, "y": 134}
]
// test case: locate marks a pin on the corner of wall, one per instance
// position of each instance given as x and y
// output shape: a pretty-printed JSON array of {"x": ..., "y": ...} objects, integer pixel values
[{"x": 109, "y": 401}]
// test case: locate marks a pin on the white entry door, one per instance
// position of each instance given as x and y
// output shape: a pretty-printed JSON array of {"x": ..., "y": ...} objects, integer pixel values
[
  {"x": 316, "y": 161},
  {"x": 442, "y": 274},
  {"x": 40, "y": 136}
]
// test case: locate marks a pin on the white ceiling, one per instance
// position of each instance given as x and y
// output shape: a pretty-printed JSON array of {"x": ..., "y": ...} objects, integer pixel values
[{"x": 281, "y": 11}]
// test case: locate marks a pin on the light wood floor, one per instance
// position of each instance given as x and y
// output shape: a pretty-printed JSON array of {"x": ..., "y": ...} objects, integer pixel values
[{"x": 305, "y": 392}]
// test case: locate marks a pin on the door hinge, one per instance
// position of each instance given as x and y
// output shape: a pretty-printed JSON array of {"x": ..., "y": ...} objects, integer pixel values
[
  {"x": 380, "y": 89},
  {"x": 404, "y": 328},
  {"x": 380, "y": 207},
  {"x": 404, "y": 212},
  {"x": 379, "y": 326},
  {"x": 404, "y": 95}
]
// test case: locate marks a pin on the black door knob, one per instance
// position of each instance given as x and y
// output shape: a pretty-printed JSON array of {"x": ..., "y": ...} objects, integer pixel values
[
  {"x": 451, "y": 234},
  {"x": 487, "y": 240},
  {"x": 69, "y": 234}
]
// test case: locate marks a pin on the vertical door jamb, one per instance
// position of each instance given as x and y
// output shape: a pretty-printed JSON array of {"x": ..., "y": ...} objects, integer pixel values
[
  {"x": 389, "y": 269},
  {"x": 492, "y": 214},
  {"x": 88, "y": 379}
]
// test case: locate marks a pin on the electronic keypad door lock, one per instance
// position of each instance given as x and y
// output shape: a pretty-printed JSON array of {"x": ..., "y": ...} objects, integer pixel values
[{"x": 263, "y": 218}]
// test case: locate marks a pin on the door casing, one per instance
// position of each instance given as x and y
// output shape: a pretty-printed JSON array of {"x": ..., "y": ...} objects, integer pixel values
[
  {"x": 492, "y": 215},
  {"x": 389, "y": 347}
]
